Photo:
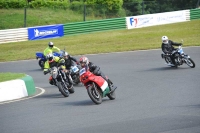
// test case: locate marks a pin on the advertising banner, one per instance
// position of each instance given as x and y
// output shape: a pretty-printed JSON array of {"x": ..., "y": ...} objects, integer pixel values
[
  {"x": 42, "y": 32},
  {"x": 155, "y": 19}
]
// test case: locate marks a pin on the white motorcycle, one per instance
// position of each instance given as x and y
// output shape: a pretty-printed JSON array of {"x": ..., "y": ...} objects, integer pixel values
[{"x": 179, "y": 58}]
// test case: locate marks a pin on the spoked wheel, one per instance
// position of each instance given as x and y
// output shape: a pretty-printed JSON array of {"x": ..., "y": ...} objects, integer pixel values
[
  {"x": 64, "y": 91},
  {"x": 94, "y": 94},
  {"x": 190, "y": 62}
]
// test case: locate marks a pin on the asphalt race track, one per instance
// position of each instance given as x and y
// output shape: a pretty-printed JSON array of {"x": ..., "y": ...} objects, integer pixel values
[{"x": 151, "y": 98}]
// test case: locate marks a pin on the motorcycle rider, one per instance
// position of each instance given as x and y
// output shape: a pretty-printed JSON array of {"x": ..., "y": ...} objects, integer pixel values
[
  {"x": 84, "y": 61},
  {"x": 167, "y": 47},
  {"x": 50, "y": 49},
  {"x": 51, "y": 62},
  {"x": 69, "y": 61}
]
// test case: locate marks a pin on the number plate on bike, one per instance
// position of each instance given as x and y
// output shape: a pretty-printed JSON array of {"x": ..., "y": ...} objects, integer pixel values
[
  {"x": 82, "y": 71},
  {"x": 75, "y": 69}
]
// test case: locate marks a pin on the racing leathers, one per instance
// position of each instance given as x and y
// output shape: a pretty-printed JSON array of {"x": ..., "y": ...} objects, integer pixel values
[
  {"x": 70, "y": 62},
  {"x": 96, "y": 71},
  {"x": 51, "y": 50},
  {"x": 168, "y": 48}
]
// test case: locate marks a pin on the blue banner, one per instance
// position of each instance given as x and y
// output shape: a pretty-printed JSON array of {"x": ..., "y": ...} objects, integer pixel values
[{"x": 42, "y": 32}]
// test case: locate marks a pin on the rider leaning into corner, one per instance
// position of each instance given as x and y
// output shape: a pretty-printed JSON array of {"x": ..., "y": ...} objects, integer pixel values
[
  {"x": 69, "y": 60},
  {"x": 84, "y": 61},
  {"x": 50, "y": 49},
  {"x": 167, "y": 47},
  {"x": 54, "y": 61}
]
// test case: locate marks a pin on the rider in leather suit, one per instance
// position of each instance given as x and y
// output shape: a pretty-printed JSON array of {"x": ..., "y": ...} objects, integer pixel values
[
  {"x": 167, "y": 47},
  {"x": 95, "y": 70}
]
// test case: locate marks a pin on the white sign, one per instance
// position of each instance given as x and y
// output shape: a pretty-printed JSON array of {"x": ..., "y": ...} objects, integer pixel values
[{"x": 155, "y": 19}]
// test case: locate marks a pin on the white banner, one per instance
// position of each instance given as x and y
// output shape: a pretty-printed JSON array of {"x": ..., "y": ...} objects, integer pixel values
[{"x": 155, "y": 19}]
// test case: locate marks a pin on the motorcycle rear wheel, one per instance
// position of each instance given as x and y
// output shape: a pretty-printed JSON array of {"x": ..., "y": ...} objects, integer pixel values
[
  {"x": 94, "y": 94},
  {"x": 62, "y": 89},
  {"x": 190, "y": 62}
]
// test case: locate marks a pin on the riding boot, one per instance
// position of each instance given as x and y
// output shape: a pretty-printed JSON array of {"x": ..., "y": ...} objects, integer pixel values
[
  {"x": 51, "y": 80},
  {"x": 111, "y": 85}
]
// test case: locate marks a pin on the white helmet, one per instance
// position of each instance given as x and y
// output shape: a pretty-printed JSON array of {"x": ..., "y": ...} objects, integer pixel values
[
  {"x": 165, "y": 39},
  {"x": 65, "y": 55},
  {"x": 50, "y": 44},
  {"x": 49, "y": 57}
]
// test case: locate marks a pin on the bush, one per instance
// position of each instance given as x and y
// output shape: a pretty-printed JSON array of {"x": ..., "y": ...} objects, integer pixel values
[
  {"x": 49, "y": 3},
  {"x": 12, "y": 4},
  {"x": 34, "y": 3},
  {"x": 77, "y": 6}
]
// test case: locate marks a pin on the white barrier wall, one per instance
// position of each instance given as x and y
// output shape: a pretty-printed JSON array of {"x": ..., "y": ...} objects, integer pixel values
[
  {"x": 12, "y": 89},
  {"x": 156, "y": 19},
  {"x": 13, "y": 35}
]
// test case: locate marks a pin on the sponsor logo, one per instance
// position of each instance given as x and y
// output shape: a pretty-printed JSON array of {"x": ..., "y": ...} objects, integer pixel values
[
  {"x": 45, "y": 32},
  {"x": 133, "y": 21}
]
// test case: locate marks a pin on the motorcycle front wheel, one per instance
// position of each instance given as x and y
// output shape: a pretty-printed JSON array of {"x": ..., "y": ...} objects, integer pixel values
[
  {"x": 71, "y": 90},
  {"x": 94, "y": 94},
  {"x": 112, "y": 95},
  {"x": 190, "y": 62},
  {"x": 41, "y": 63},
  {"x": 62, "y": 89}
]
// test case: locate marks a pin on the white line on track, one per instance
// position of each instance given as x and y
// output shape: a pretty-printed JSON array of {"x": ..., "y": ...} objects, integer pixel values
[{"x": 42, "y": 91}]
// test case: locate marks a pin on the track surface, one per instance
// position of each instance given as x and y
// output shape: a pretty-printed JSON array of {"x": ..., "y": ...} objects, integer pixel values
[{"x": 151, "y": 98}]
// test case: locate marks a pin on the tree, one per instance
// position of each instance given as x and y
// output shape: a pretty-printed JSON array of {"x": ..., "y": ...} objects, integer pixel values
[{"x": 133, "y": 7}]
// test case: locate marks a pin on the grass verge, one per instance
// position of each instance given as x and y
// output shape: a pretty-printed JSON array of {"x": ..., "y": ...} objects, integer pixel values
[
  {"x": 14, "y": 18},
  {"x": 109, "y": 41},
  {"x": 10, "y": 76}
]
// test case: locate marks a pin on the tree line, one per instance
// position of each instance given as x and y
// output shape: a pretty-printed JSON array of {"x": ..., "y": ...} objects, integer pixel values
[{"x": 126, "y": 7}]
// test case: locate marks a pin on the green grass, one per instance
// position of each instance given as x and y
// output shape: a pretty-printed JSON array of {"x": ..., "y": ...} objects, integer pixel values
[
  {"x": 107, "y": 41},
  {"x": 10, "y": 76},
  {"x": 14, "y": 18}
]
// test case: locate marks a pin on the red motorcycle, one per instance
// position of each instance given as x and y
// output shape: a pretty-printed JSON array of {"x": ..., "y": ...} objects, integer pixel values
[{"x": 96, "y": 86}]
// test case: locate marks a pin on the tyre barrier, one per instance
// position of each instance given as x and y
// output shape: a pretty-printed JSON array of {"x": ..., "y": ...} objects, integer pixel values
[{"x": 18, "y": 88}]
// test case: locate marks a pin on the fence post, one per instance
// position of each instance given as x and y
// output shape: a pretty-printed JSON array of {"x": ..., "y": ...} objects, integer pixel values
[
  {"x": 198, "y": 4},
  {"x": 25, "y": 17},
  {"x": 84, "y": 12},
  {"x": 142, "y": 7}
]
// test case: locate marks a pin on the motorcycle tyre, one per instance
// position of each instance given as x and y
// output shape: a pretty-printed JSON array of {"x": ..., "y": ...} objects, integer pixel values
[
  {"x": 41, "y": 63},
  {"x": 95, "y": 100},
  {"x": 192, "y": 62},
  {"x": 62, "y": 89},
  {"x": 112, "y": 95},
  {"x": 71, "y": 90}
]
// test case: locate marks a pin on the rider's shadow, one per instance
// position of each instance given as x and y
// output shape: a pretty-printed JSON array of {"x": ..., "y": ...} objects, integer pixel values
[
  {"x": 81, "y": 103},
  {"x": 88, "y": 102},
  {"x": 165, "y": 69}
]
